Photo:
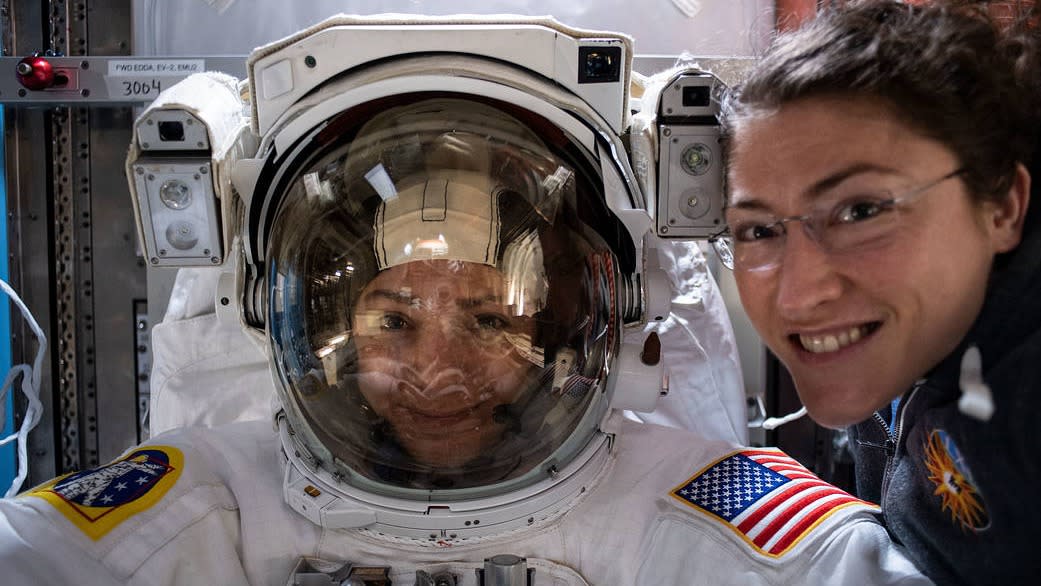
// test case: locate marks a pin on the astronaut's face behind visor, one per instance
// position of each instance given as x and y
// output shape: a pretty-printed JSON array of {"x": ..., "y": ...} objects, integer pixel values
[
  {"x": 442, "y": 356},
  {"x": 442, "y": 300}
]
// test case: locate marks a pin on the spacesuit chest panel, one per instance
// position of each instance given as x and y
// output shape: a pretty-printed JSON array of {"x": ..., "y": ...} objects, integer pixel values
[{"x": 499, "y": 570}]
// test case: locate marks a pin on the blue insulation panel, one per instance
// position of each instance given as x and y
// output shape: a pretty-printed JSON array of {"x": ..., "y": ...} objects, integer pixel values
[{"x": 8, "y": 468}]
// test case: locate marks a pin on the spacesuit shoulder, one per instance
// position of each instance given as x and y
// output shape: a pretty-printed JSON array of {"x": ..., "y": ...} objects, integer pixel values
[
  {"x": 742, "y": 515},
  {"x": 121, "y": 514},
  {"x": 716, "y": 513},
  {"x": 766, "y": 500}
]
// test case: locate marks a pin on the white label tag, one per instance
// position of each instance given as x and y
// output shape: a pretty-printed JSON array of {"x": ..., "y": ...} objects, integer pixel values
[
  {"x": 156, "y": 67},
  {"x": 145, "y": 78}
]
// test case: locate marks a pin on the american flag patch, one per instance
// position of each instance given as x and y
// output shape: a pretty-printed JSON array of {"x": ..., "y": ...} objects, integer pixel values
[{"x": 766, "y": 497}]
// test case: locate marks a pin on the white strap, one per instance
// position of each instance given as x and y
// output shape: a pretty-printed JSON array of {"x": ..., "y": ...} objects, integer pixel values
[
  {"x": 976, "y": 399},
  {"x": 31, "y": 390},
  {"x": 775, "y": 422}
]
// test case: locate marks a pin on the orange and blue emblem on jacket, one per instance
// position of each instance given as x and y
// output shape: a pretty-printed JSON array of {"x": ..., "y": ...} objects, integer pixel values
[
  {"x": 768, "y": 499},
  {"x": 99, "y": 499},
  {"x": 954, "y": 484}
]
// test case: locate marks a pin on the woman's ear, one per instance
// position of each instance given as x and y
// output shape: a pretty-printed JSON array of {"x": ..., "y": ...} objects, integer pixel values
[{"x": 1004, "y": 218}]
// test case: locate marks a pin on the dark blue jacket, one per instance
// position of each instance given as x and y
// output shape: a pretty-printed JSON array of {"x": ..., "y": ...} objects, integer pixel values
[{"x": 964, "y": 495}]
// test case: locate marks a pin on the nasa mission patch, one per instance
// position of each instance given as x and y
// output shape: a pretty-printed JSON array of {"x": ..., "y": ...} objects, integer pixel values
[
  {"x": 99, "y": 499},
  {"x": 957, "y": 490}
]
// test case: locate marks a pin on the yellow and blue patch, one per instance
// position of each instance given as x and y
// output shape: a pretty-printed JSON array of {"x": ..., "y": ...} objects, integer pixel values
[
  {"x": 99, "y": 499},
  {"x": 955, "y": 486}
]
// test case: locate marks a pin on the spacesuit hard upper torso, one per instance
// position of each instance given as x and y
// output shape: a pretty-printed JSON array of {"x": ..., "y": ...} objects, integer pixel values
[{"x": 211, "y": 510}]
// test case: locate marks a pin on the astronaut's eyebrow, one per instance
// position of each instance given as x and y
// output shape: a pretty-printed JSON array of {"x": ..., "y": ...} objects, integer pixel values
[
  {"x": 405, "y": 298},
  {"x": 473, "y": 302},
  {"x": 396, "y": 296}
]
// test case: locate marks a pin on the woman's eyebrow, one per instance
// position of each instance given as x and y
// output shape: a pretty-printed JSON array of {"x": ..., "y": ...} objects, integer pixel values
[
  {"x": 472, "y": 302},
  {"x": 404, "y": 298},
  {"x": 395, "y": 296},
  {"x": 835, "y": 179},
  {"x": 820, "y": 187}
]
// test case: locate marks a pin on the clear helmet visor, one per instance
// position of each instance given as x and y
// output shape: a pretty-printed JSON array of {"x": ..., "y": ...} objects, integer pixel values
[{"x": 441, "y": 315}]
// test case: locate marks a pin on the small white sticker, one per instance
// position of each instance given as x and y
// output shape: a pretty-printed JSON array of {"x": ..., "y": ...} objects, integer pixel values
[
  {"x": 156, "y": 67},
  {"x": 145, "y": 78}
]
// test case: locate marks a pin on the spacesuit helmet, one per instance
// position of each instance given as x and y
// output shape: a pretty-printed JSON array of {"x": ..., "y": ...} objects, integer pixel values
[{"x": 441, "y": 298}]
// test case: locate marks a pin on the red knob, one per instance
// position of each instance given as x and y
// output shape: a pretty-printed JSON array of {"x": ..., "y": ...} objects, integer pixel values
[{"x": 35, "y": 73}]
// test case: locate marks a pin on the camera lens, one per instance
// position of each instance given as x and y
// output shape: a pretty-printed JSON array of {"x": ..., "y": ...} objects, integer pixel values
[
  {"x": 599, "y": 64},
  {"x": 696, "y": 96},
  {"x": 171, "y": 131},
  {"x": 175, "y": 194},
  {"x": 182, "y": 235},
  {"x": 696, "y": 158}
]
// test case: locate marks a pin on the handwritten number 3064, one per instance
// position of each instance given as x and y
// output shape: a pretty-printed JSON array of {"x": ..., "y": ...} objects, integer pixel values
[{"x": 141, "y": 88}]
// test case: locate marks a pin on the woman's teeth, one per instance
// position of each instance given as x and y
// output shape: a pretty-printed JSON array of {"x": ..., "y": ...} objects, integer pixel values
[{"x": 832, "y": 342}]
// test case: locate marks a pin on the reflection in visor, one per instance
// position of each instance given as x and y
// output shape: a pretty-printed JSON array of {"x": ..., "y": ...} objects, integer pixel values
[
  {"x": 438, "y": 310},
  {"x": 434, "y": 358}
]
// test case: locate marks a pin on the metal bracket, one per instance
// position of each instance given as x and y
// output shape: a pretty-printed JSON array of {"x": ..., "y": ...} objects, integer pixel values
[{"x": 108, "y": 80}]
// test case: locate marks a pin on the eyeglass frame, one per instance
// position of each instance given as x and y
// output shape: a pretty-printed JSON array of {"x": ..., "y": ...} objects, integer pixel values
[{"x": 725, "y": 253}]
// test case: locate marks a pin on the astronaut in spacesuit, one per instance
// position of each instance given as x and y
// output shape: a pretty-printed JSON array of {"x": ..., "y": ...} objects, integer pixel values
[{"x": 442, "y": 298}]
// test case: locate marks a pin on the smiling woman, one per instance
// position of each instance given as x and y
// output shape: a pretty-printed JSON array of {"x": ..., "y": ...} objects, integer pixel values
[
  {"x": 870, "y": 277},
  {"x": 880, "y": 229},
  {"x": 439, "y": 354}
]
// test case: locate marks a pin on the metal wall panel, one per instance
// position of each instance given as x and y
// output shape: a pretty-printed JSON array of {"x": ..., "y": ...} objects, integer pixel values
[
  {"x": 73, "y": 249},
  {"x": 30, "y": 236},
  {"x": 119, "y": 281}
]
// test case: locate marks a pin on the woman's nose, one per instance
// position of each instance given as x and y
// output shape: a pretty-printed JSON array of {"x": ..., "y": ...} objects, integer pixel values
[
  {"x": 807, "y": 276},
  {"x": 449, "y": 342}
]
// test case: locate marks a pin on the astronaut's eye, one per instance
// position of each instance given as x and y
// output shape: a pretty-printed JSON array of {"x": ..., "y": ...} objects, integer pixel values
[{"x": 393, "y": 321}]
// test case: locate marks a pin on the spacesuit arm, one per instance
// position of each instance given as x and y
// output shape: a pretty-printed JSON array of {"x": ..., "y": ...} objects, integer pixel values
[
  {"x": 852, "y": 549},
  {"x": 33, "y": 551},
  {"x": 858, "y": 551},
  {"x": 683, "y": 550}
]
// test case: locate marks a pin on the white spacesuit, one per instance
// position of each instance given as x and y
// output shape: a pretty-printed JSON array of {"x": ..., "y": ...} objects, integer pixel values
[
  {"x": 221, "y": 519},
  {"x": 447, "y": 261}
]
